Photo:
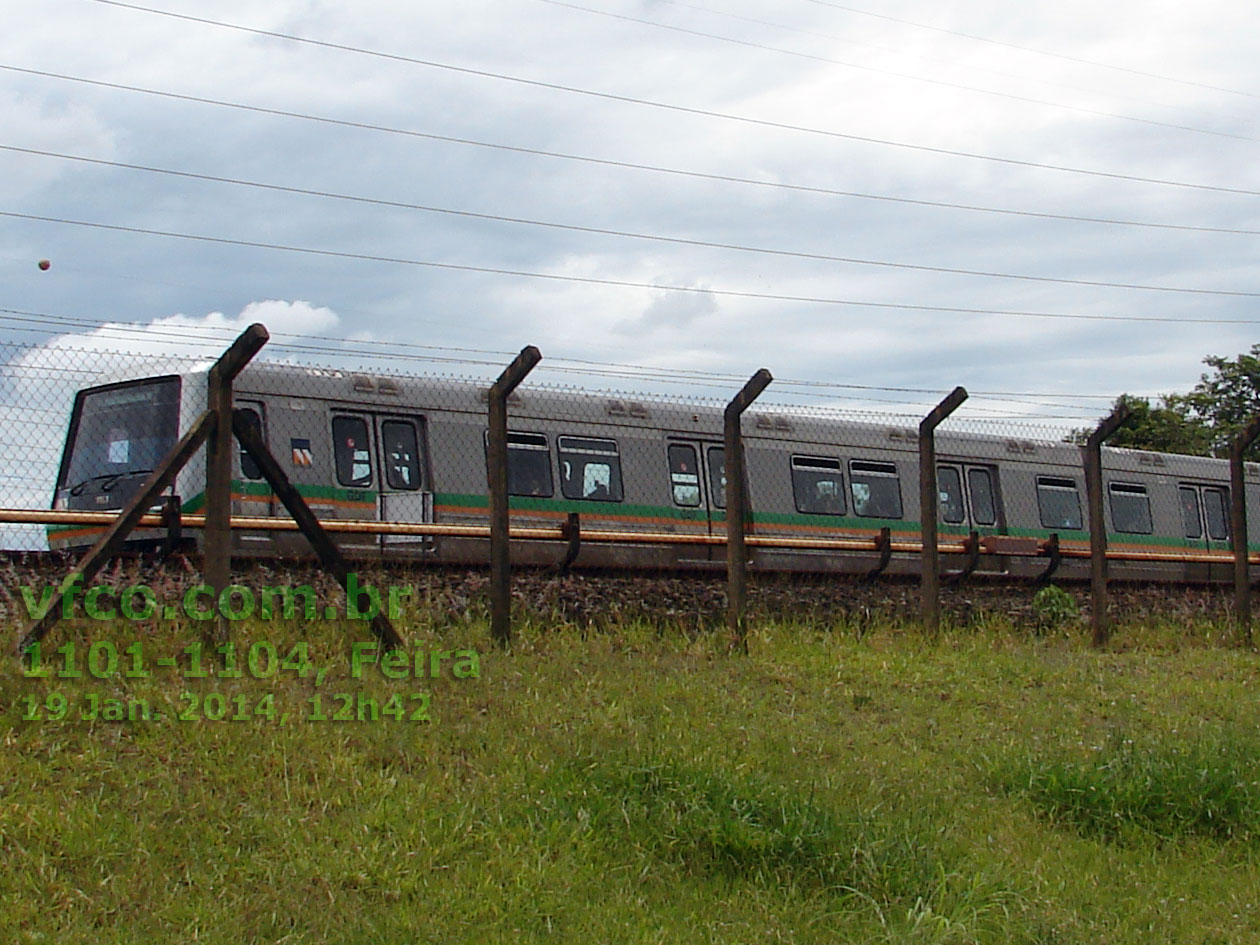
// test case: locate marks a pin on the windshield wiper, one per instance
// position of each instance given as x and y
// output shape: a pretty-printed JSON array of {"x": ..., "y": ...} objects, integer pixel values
[{"x": 109, "y": 480}]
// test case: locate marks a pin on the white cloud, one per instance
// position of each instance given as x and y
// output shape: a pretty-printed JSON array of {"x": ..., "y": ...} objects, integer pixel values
[
  {"x": 117, "y": 276},
  {"x": 37, "y": 384}
]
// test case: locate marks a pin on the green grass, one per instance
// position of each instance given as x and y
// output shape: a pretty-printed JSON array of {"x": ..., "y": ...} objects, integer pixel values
[
  {"x": 1207, "y": 785},
  {"x": 708, "y": 825},
  {"x": 844, "y": 782}
]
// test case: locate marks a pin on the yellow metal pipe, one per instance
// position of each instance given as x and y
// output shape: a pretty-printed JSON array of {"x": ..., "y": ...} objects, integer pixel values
[{"x": 438, "y": 529}]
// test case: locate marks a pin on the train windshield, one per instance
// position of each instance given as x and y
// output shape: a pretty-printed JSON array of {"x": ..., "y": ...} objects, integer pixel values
[{"x": 121, "y": 430}]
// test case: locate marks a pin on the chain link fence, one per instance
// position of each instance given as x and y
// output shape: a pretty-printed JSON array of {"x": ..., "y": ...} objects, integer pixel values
[{"x": 633, "y": 476}]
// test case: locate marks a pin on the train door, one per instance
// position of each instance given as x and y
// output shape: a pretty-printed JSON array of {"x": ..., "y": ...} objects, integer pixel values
[
  {"x": 697, "y": 484},
  {"x": 405, "y": 494},
  {"x": 1205, "y": 515},
  {"x": 967, "y": 497},
  {"x": 251, "y": 494},
  {"x": 357, "y": 475}
]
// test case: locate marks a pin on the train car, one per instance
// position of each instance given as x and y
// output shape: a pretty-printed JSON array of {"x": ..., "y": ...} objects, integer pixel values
[{"x": 409, "y": 449}]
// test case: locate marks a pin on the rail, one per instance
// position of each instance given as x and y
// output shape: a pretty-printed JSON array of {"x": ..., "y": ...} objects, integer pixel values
[{"x": 1036, "y": 548}]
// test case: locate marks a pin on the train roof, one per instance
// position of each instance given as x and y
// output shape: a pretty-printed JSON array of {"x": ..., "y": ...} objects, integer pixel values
[{"x": 660, "y": 412}]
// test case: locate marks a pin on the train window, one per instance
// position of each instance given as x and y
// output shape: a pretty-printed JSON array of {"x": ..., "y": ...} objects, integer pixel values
[
  {"x": 529, "y": 465},
  {"x": 876, "y": 489},
  {"x": 717, "y": 476},
  {"x": 401, "y": 450},
  {"x": 950, "y": 495},
  {"x": 1214, "y": 512},
  {"x": 249, "y": 468},
  {"x": 589, "y": 469},
  {"x": 818, "y": 485},
  {"x": 1058, "y": 502},
  {"x": 1130, "y": 508},
  {"x": 351, "y": 454},
  {"x": 121, "y": 430},
  {"x": 683, "y": 475},
  {"x": 983, "y": 501},
  {"x": 1193, "y": 525}
]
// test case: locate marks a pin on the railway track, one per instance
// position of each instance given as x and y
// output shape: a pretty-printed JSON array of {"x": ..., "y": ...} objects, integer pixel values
[{"x": 445, "y": 595}]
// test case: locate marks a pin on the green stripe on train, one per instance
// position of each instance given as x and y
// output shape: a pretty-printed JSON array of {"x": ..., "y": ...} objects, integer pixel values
[
  {"x": 478, "y": 503},
  {"x": 901, "y": 528},
  {"x": 259, "y": 490},
  {"x": 263, "y": 491}
]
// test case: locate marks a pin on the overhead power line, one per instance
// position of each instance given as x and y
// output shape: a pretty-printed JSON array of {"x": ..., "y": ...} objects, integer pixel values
[
  {"x": 626, "y": 283},
  {"x": 1031, "y": 49},
  {"x": 214, "y": 336},
  {"x": 606, "y": 162},
  {"x": 667, "y": 106},
  {"x": 231, "y": 332},
  {"x": 900, "y": 75},
  {"x": 227, "y": 332},
  {"x": 851, "y": 40},
  {"x": 38, "y": 371},
  {"x": 624, "y": 234}
]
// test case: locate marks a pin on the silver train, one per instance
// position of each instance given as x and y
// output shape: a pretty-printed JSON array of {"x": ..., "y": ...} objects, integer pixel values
[{"x": 410, "y": 449}]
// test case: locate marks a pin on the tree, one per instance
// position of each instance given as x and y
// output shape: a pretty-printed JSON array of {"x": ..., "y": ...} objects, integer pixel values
[
  {"x": 1226, "y": 401},
  {"x": 1166, "y": 427},
  {"x": 1203, "y": 422}
]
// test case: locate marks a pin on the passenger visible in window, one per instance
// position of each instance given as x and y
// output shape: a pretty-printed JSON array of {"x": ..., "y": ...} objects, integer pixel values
[
  {"x": 595, "y": 481},
  {"x": 861, "y": 496},
  {"x": 401, "y": 462},
  {"x": 400, "y": 469},
  {"x": 828, "y": 501}
]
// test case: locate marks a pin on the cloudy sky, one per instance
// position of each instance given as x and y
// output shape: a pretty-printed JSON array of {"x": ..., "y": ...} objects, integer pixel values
[{"x": 898, "y": 195}]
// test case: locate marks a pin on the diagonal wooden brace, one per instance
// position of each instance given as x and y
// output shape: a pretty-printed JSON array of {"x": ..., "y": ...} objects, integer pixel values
[
  {"x": 320, "y": 541},
  {"x": 116, "y": 534}
]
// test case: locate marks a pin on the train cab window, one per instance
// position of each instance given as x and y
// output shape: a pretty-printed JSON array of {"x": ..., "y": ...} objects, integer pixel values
[
  {"x": 1058, "y": 502},
  {"x": 983, "y": 500},
  {"x": 589, "y": 469},
  {"x": 249, "y": 468},
  {"x": 121, "y": 430},
  {"x": 529, "y": 465},
  {"x": 352, "y": 456},
  {"x": 1214, "y": 512},
  {"x": 401, "y": 452},
  {"x": 818, "y": 485},
  {"x": 1190, "y": 520},
  {"x": 1130, "y": 508},
  {"x": 876, "y": 489},
  {"x": 684, "y": 476},
  {"x": 949, "y": 495},
  {"x": 717, "y": 476}
]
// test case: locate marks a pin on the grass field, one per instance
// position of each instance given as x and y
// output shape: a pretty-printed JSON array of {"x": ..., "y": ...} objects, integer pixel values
[{"x": 638, "y": 784}]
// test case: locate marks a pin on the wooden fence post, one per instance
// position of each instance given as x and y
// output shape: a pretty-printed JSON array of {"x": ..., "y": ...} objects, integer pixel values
[
  {"x": 497, "y": 484},
  {"x": 1238, "y": 526},
  {"x": 1098, "y": 521},
  {"x": 737, "y": 506},
  {"x": 930, "y": 564},
  {"x": 217, "y": 538}
]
